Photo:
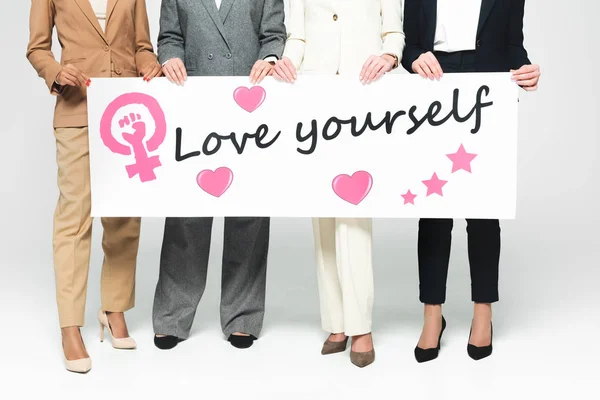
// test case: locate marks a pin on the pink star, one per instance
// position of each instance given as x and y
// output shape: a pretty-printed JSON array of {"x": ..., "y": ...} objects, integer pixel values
[
  {"x": 409, "y": 198},
  {"x": 461, "y": 159},
  {"x": 435, "y": 185}
]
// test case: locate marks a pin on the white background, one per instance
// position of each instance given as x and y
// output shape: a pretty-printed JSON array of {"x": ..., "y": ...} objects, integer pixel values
[
  {"x": 546, "y": 323},
  {"x": 280, "y": 182}
]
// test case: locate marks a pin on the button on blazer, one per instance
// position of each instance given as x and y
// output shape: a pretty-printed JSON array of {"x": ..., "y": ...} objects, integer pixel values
[
  {"x": 499, "y": 42},
  {"x": 342, "y": 34},
  {"x": 121, "y": 51},
  {"x": 224, "y": 41}
]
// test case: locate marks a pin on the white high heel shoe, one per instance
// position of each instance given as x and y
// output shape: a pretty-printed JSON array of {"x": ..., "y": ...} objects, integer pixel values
[
  {"x": 81, "y": 366},
  {"x": 118, "y": 343}
]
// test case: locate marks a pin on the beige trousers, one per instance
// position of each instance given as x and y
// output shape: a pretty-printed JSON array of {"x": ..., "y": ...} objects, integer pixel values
[
  {"x": 345, "y": 274},
  {"x": 72, "y": 237}
]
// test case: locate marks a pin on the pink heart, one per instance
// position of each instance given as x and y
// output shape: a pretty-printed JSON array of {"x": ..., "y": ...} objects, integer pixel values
[
  {"x": 353, "y": 188},
  {"x": 249, "y": 99},
  {"x": 215, "y": 182}
]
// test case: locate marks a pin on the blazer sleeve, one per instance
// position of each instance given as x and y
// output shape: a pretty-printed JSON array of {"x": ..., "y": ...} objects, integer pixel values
[
  {"x": 392, "y": 30},
  {"x": 144, "y": 54},
  {"x": 39, "y": 49},
  {"x": 517, "y": 53},
  {"x": 170, "y": 37},
  {"x": 414, "y": 48},
  {"x": 272, "y": 29},
  {"x": 296, "y": 39}
]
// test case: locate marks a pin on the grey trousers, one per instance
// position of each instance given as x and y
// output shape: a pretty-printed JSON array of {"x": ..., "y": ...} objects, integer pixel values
[{"x": 183, "y": 269}]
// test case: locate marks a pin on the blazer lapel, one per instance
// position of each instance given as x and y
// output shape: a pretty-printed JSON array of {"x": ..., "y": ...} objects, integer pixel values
[
  {"x": 486, "y": 9},
  {"x": 430, "y": 11},
  {"x": 110, "y": 8},
  {"x": 86, "y": 7},
  {"x": 213, "y": 11},
  {"x": 225, "y": 8}
]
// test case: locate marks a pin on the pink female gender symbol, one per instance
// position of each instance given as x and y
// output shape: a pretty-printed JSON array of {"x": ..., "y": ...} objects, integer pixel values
[{"x": 144, "y": 164}]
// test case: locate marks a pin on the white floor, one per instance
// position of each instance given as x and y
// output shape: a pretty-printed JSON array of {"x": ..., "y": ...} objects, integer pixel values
[{"x": 549, "y": 302}]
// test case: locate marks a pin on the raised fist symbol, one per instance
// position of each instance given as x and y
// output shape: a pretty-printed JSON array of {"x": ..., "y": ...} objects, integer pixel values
[
  {"x": 144, "y": 165},
  {"x": 138, "y": 125}
]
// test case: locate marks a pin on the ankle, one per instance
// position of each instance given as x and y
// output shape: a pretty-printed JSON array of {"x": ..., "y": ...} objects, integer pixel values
[
  {"x": 337, "y": 337},
  {"x": 115, "y": 315},
  {"x": 362, "y": 343},
  {"x": 359, "y": 337},
  {"x": 117, "y": 324},
  {"x": 482, "y": 311},
  {"x": 432, "y": 311},
  {"x": 70, "y": 332}
]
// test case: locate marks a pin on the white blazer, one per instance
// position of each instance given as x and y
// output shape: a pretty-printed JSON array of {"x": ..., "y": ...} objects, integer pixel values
[{"x": 337, "y": 36}]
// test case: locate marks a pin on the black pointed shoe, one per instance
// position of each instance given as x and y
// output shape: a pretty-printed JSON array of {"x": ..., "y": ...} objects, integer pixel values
[
  {"x": 166, "y": 342},
  {"x": 241, "y": 342},
  {"x": 478, "y": 353},
  {"x": 424, "y": 355}
]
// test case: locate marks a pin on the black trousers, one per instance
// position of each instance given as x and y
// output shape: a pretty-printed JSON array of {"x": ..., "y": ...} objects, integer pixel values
[{"x": 435, "y": 235}]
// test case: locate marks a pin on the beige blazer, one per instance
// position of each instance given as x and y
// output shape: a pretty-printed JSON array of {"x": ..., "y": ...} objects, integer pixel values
[
  {"x": 122, "y": 51},
  {"x": 330, "y": 36}
]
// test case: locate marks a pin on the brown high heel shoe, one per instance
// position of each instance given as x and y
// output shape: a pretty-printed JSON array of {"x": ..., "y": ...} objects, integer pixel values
[
  {"x": 362, "y": 359},
  {"x": 330, "y": 347}
]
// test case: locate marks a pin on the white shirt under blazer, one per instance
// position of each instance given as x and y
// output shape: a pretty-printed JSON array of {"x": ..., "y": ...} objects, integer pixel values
[
  {"x": 456, "y": 25},
  {"x": 342, "y": 34},
  {"x": 100, "y": 7}
]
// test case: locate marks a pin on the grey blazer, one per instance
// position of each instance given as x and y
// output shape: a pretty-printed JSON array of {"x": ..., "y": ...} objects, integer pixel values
[{"x": 224, "y": 41}]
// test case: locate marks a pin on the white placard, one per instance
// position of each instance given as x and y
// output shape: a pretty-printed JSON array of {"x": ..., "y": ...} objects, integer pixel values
[{"x": 323, "y": 147}]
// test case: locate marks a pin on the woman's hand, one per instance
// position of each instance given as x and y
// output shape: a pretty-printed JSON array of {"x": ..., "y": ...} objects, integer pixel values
[
  {"x": 260, "y": 69},
  {"x": 285, "y": 71},
  {"x": 175, "y": 71},
  {"x": 528, "y": 76},
  {"x": 427, "y": 66},
  {"x": 375, "y": 67},
  {"x": 70, "y": 75},
  {"x": 150, "y": 71}
]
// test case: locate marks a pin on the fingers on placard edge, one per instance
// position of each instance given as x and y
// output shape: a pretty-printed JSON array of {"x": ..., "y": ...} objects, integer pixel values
[
  {"x": 291, "y": 67},
  {"x": 420, "y": 70},
  {"x": 288, "y": 74},
  {"x": 171, "y": 75},
  {"x": 180, "y": 74},
  {"x": 380, "y": 70},
  {"x": 263, "y": 75},
  {"x": 373, "y": 71},
  {"x": 427, "y": 69}
]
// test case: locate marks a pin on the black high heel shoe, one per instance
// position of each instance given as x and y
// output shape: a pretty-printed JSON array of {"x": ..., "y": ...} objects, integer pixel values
[
  {"x": 166, "y": 342},
  {"x": 241, "y": 342},
  {"x": 478, "y": 353},
  {"x": 424, "y": 355}
]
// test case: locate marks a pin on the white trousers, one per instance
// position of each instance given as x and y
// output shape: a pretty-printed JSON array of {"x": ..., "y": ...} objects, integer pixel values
[{"x": 345, "y": 274}]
